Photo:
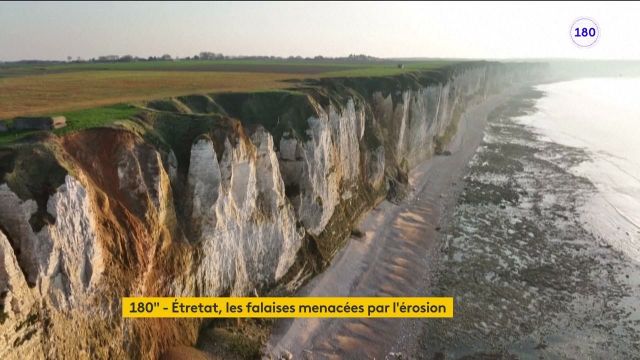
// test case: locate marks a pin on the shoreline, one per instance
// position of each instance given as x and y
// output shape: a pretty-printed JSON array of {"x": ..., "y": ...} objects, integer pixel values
[
  {"x": 612, "y": 168},
  {"x": 537, "y": 283},
  {"x": 395, "y": 257}
]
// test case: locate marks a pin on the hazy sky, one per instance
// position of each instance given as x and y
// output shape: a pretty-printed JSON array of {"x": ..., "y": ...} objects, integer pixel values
[{"x": 475, "y": 30}]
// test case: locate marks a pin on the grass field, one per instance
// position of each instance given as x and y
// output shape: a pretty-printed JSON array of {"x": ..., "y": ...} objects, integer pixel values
[
  {"x": 80, "y": 119},
  {"x": 43, "y": 94},
  {"x": 57, "y": 88},
  {"x": 265, "y": 66}
]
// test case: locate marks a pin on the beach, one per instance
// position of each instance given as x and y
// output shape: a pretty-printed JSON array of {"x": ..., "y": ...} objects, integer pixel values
[
  {"x": 396, "y": 256},
  {"x": 530, "y": 275}
]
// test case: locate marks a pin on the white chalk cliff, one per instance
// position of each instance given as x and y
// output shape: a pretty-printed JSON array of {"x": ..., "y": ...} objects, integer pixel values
[{"x": 230, "y": 214}]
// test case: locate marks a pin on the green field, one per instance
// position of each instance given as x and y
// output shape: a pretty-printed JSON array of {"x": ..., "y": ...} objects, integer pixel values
[
  {"x": 88, "y": 94},
  {"x": 321, "y": 68},
  {"x": 80, "y": 119}
]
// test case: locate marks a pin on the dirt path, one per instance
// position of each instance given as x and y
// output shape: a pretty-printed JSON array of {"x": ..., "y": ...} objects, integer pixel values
[{"x": 393, "y": 258}]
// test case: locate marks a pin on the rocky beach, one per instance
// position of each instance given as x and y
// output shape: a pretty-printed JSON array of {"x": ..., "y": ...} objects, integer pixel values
[{"x": 529, "y": 279}]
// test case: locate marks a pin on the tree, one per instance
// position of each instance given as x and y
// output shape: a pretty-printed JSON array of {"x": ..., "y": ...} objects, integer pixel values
[{"x": 207, "y": 55}]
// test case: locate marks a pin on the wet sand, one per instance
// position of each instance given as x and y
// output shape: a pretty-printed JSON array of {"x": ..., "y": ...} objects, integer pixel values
[
  {"x": 395, "y": 257},
  {"x": 530, "y": 280}
]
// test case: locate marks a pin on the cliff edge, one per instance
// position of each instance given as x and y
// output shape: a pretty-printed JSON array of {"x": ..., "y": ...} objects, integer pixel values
[{"x": 208, "y": 195}]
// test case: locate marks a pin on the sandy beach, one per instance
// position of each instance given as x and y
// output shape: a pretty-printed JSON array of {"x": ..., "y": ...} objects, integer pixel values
[{"x": 395, "y": 257}]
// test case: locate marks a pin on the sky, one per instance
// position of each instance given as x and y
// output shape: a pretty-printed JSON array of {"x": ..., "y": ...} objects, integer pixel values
[{"x": 55, "y": 30}]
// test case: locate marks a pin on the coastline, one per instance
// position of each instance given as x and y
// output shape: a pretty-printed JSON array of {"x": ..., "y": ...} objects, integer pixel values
[
  {"x": 229, "y": 194},
  {"x": 529, "y": 279},
  {"x": 393, "y": 258}
]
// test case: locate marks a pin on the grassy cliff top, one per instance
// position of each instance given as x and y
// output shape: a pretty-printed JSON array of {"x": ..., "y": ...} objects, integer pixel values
[
  {"x": 117, "y": 95},
  {"x": 45, "y": 89}
]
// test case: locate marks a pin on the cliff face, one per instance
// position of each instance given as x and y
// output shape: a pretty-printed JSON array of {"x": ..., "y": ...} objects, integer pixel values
[
  {"x": 242, "y": 222},
  {"x": 207, "y": 196}
]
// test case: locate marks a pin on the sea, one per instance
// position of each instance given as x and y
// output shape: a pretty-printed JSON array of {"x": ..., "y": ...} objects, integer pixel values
[
  {"x": 601, "y": 116},
  {"x": 542, "y": 249}
]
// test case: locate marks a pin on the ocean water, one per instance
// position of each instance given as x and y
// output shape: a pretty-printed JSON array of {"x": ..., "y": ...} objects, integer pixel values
[
  {"x": 601, "y": 116},
  {"x": 541, "y": 250}
]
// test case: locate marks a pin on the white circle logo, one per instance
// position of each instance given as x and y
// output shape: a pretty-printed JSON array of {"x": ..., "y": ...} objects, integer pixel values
[{"x": 584, "y": 32}]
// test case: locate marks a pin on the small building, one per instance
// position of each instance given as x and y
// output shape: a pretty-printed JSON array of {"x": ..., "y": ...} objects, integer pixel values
[
  {"x": 3, "y": 126},
  {"x": 39, "y": 123}
]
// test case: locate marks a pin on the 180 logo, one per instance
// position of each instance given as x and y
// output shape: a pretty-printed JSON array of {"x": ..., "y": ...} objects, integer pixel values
[{"x": 584, "y": 32}]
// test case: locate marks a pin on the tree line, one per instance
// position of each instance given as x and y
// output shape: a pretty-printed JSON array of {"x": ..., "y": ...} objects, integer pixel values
[{"x": 206, "y": 55}]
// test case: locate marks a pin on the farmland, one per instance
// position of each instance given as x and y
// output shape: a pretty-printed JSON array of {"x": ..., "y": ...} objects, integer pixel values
[
  {"x": 93, "y": 94},
  {"x": 308, "y": 67},
  {"x": 37, "y": 89},
  {"x": 42, "y": 94}
]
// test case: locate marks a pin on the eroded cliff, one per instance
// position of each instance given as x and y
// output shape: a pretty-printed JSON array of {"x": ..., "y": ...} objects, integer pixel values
[{"x": 208, "y": 195}]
